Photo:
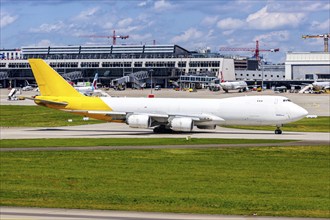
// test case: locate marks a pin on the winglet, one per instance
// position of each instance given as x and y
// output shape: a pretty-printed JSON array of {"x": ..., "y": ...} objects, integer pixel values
[{"x": 49, "y": 81}]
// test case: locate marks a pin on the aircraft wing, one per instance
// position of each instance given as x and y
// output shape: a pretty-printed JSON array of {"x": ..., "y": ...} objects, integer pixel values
[{"x": 156, "y": 116}]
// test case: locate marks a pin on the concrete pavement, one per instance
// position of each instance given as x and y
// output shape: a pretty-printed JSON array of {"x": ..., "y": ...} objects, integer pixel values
[{"x": 7, "y": 213}]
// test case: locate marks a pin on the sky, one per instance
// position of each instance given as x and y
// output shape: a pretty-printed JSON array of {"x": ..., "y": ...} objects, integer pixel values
[{"x": 191, "y": 24}]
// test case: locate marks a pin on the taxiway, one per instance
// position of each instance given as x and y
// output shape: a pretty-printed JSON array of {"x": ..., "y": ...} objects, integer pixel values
[
  {"x": 116, "y": 130},
  {"x": 7, "y": 213}
]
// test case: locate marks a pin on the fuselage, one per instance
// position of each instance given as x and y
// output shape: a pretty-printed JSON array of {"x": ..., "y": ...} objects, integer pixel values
[
  {"x": 321, "y": 85},
  {"x": 233, "y": 85},
  {"x": 84, "y": 89},
  {"x": 251, "y": 110},
  {"x": 245, "y": 110}
]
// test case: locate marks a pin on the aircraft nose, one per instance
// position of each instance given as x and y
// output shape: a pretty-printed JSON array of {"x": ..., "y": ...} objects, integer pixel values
[{"x": 298, "y": 112}]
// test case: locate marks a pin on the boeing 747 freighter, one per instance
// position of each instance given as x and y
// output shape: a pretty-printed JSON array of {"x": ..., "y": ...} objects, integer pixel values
[{"x": 164, "y": 114}]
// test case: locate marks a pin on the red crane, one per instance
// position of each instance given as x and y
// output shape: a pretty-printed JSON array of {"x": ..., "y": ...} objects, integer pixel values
[
  {"x": 256, "y": 50},
  {"x": 114, "y": 37}
]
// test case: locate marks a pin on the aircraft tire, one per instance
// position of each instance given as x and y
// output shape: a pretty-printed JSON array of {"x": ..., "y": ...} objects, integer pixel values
[
  {"x": 278, "y": 131},
  {"x": 162, "y": 130}
]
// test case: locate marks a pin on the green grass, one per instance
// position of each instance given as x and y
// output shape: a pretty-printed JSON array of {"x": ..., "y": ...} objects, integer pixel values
[
  {"x": 37, "y": 116},
  {"x": 275, "y": 181},
  {"x": 91, "y": 142},
  {"x": 319, "y": 124}
]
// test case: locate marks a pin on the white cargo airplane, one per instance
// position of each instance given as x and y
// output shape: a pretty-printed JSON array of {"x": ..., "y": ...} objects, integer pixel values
[{"x": 164, "y": 114}]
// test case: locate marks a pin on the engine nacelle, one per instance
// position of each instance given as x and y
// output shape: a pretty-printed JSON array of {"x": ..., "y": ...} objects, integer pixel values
[
  {"x": 139, "y": 121},
  {"x": 182, "y": 124},
  {"x": 206, "y": 126}
]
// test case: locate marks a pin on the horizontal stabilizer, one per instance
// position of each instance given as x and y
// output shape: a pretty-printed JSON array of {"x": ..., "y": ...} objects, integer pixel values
[{"x": 48, "y": 102}]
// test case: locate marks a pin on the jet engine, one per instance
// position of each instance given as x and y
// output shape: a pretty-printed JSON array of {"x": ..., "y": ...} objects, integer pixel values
[
  {"x": 139, "y": 121},
  {"x": 182, "y": 124}
]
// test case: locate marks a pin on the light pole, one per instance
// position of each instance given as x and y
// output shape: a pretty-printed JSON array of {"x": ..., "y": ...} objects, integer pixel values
[
  {"x": 262, "y": 76},
  {"x": 151, "y": 71}
]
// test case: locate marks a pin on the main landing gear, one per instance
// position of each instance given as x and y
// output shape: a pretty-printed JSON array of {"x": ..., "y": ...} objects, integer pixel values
[
  {"x": 161, "y": 129},
  {"x": 278, "y": 130}
]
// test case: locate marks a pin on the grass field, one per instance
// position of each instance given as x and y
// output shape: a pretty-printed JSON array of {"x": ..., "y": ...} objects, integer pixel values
[
  {"x": 275, "y": 181},
  {"x": 36, "y": 116},
  {"x": 91, "y": 142},
  {"x": 279, "y": 181}
]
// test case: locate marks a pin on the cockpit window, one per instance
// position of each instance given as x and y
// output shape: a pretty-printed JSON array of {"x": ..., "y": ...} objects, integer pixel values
[{"x": 286, "y": 100}]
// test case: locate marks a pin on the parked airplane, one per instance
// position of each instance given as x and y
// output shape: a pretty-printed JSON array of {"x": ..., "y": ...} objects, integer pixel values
[
  {"x": 321, "y": 85},
  {"x": 164, "y": 114},
  {"x": 241, "y": 86},
  {"x": 29, "y": 86},
  {"x": 317, "y": 85},
  {"x": 87, "y": 90}
]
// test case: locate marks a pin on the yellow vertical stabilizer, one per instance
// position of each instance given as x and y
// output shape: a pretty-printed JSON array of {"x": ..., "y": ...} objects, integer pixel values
[{"x": 49, "y": 81}]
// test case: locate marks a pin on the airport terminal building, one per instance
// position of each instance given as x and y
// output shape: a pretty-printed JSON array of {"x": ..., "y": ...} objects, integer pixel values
[
  {"x": 304, "y": 65},
  {"x": 164, "y": 62}
]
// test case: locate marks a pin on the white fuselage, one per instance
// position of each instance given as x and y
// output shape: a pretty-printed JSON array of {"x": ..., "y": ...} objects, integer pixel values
[
  {"x": 245, "y": 110},
  {"x": 321, "y": 85},
  {"x": 238, "y": 85},
  {"x": 84, "y": 89}
]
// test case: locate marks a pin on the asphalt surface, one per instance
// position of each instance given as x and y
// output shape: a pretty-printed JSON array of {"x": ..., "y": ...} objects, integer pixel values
[
  {"x": 120, "y": 130},
  {"x": 75, "y": 214}
]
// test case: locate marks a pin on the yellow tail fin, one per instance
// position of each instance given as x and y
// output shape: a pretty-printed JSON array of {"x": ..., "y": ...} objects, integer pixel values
[{"x": 49, "y": 81}]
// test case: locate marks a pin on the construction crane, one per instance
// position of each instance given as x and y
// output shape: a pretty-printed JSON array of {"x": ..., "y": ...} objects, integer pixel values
[
  {"x": 325, "y": 38},
  {"x": 114, "y": 37},
  {"x": 255, "y": 50}
]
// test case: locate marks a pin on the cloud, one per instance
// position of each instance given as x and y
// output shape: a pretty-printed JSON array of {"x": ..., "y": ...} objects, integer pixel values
[
  {"x": 228, "y": 32},
  {"x": 6, "y": 19},
  {"x": 125, "y": 22},
  {"x": 48, "y": 28},
  {"x": 322, "y": 26},
  {"x": 141, "y": 38},
  {"x": 230, "y": 23},
  {"x": 43, "y": 43},
  {"x": 188, "y": 35},
  {"x": 317, "y": 6},
  {"x": 264, "y": 20},
  {"x": 209, "y": 20},
  {"x": 162, "y": 5},
  {"x": 107, "y": 25},
  {"x": 273, "y": 36},
  {"x": 84, "y": 15},
  {"x": 144, "y": 3}
]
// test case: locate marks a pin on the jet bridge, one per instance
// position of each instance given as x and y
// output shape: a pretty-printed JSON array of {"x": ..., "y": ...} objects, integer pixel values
[
  {"x": 136, "y": 79},
  {"x": 73, "y": 75}
]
